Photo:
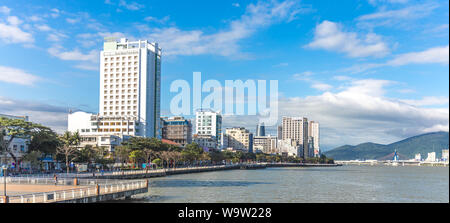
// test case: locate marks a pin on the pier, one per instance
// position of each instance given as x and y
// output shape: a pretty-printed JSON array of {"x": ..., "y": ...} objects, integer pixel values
[{"x": 43, "y": 190}]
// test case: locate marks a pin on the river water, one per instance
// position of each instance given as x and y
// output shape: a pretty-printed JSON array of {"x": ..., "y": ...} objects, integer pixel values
[{"x": 342, "y": 184}]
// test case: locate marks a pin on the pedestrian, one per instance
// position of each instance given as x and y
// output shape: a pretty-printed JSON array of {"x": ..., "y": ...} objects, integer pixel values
[{"x": 55, "y": 178}]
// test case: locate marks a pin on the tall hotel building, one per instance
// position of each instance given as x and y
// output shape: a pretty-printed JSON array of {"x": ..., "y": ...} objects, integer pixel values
[
  {"x": 130, "y": 83},
  {"x": 296, "y": 128},
  {"x": 130, "y": 79}
]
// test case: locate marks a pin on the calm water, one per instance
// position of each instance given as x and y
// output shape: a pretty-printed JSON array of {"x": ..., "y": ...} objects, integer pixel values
[{"x": 333, "y": 184}]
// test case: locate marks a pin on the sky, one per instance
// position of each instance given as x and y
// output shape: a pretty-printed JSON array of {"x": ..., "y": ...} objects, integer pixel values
[{"x": 366, "y": 70}]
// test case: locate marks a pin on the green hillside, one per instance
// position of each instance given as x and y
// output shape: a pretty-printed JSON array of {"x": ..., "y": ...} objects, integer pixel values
[{"x": 407, "y": 148}]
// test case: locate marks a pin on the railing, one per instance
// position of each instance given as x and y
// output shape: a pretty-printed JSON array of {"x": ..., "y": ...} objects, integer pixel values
[
  {"x": 83, "y": 192},
  {"x": 51, "y": 181}
]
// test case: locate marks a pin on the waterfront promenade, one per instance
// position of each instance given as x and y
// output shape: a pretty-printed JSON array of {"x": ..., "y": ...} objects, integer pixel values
[
  {"x": 104, "y": 186},
  {"x": 44, "y": 190}
]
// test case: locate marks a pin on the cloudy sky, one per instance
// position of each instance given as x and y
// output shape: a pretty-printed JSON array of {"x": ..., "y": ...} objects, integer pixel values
[{"x": 366, "y": 70}]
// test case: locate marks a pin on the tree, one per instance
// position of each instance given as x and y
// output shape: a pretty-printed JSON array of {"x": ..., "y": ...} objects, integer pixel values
[
  {"x": 34, "y": 158},
  {"x": 176, "y": 156},
  {"x": 11, "y": 129},
  {"x": 69, "y": 147},
  {"x": 122, "y": 153},
  {"x": 192, "y": 152},
  {"x": 135, "y": 156},
  {"x": 166, "y": 155}
]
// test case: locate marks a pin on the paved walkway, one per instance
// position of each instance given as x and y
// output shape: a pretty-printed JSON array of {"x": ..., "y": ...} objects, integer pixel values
[{"x": 20, "y": 189}]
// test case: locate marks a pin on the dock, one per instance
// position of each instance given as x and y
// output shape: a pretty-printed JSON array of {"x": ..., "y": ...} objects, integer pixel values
[{"x": 70, "y": 191}]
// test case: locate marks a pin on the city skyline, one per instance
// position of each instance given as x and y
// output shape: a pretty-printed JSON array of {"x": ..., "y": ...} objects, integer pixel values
[{"x": 358, "y": 67}]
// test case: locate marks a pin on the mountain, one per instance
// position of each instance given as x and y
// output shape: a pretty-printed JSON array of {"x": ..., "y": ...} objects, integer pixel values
[{"x": 406, "y": 149}]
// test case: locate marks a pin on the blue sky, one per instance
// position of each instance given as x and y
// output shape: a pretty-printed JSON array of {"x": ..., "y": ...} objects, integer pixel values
[{"x": 366, "y": 70}]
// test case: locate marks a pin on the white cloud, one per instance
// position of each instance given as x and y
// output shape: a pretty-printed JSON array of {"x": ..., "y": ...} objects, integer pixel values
[
  {"x": 43, "y": 27},
  {"x": 427, "y": 101},
  {"x": 17, "y": 76},
  {"x": 154, "y": 19},
  {"x": 236, "y": 5},
  {"x": 45, "y": 114},
  {"x": 131, "y": 6},
  {"x": 435, "y": 55},
  {"x": 410, "y": 12},
  {"x": 224, "y": 42},
  {"x": 72, "y": 21},
  {"x": 55, "y": 13},
  {"x": 432, "y": 55},
  {"x": 35, "y": 18},
  {"x": 75, "y": 55},
  {"x": 13, "y": 34},
  {"x": 322, "y": 86},
  {"x": 14, "y": 21},
  {"x": 375, "y": 2},
  {"x": 330, "y": 36},
  {"x": 5, "y": 10}
]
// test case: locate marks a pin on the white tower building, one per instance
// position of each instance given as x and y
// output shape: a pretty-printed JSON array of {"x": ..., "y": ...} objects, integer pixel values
[
  {"x": 130, "y": 84},
  {"x": 208, "y": 122},
  {"x": 313, "y": 131}
]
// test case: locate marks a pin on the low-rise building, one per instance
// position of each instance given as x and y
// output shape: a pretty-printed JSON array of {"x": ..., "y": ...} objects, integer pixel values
[
  {"x": 431, "y": 157},
  {"x": 445, "y": 154},
  {"x": 103, "y": 131},
  {"x": 418, "y": 157},
  {"x": 290, "y": 147},
  {"x": 177, "y": 129},
  {"x": 205, "y": 141}
]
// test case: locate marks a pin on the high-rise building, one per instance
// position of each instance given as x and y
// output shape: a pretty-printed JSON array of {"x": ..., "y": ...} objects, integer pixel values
[
  {"x": 130, "y": 79},
  {"x": 260, "y": 129},
  {"x": 296, "y": 128},
  {"x": 313, "y": 132},
  {"x": 239, "y": 138},
  {"x": 208, "y": 122},
  {"x": 177, "y": 129},
  {"x": 280, "y": 132}
]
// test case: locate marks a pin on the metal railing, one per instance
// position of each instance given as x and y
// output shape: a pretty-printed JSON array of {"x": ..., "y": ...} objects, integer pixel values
[{"x": 82, "y": 192}]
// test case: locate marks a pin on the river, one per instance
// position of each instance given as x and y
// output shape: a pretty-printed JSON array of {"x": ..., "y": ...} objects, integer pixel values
[{"x": 344, "y": 184}]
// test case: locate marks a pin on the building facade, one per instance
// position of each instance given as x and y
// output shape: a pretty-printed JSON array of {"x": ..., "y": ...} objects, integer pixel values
[
  {"x": 260, "y": 129},
  {"x": 205, "y": 141},
  {"x": 296, "y": 128},
  {"x": 290, "y": 147},
  {"x": 265, "y": 144},
  {"x": 313, "y": 132},
  {"x": 208, "y": 122},
  {"x": 130, "y": 80},
  {"x": 445, "y": 154},
  {"x": 239, "y": 138},
  {"x": 177, "y": 129}
]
